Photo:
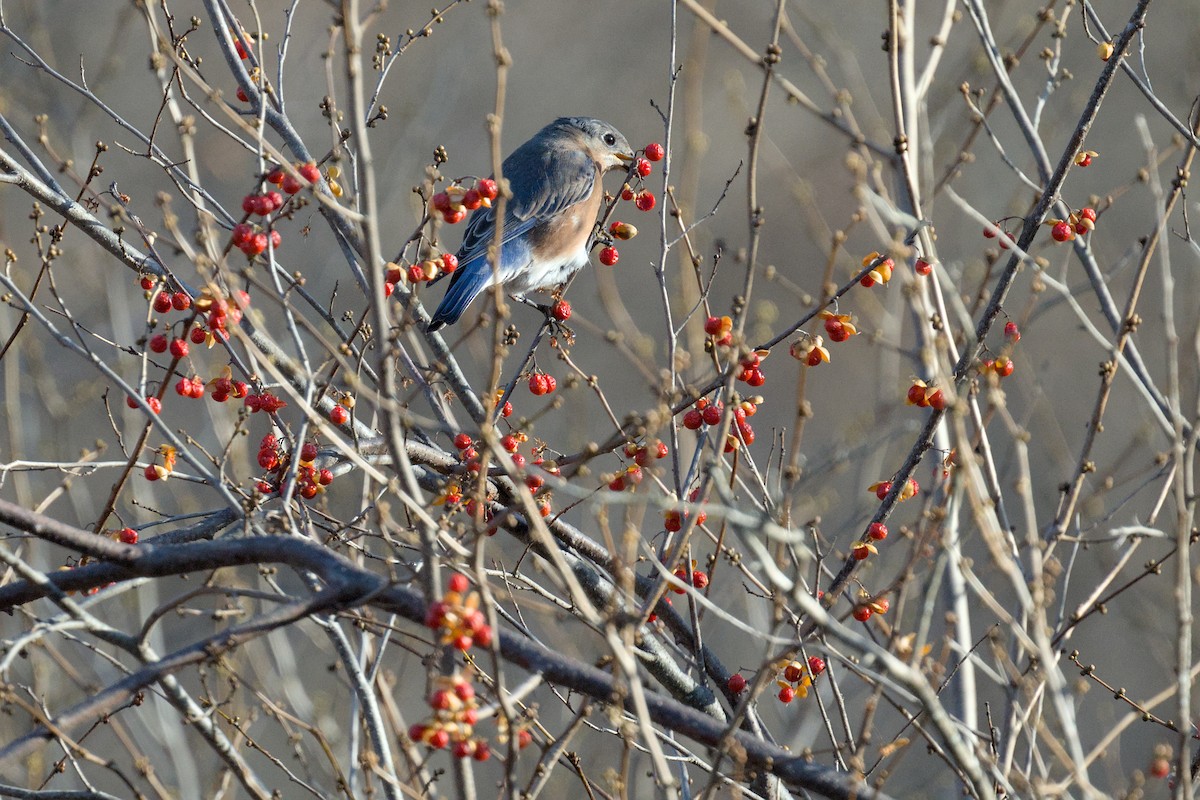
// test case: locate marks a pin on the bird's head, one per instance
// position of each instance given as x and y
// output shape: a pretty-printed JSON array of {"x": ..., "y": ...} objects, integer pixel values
[{"x": 604, "y": 143}]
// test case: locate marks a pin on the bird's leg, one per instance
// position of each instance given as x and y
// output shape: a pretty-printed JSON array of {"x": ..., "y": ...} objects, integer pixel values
[{"x": 520, "y": 298}]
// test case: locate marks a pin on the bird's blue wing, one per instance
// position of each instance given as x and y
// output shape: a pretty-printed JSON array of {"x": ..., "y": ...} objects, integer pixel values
[{"x": 546, "y": 178}]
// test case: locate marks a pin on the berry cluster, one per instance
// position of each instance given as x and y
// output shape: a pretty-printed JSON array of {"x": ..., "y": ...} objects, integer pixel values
[
  {"x": 540, "y": 383},
  {"x": 923, "y": 395},
  {"x": 631, "y": 474},
  {"x": 750, "y": 373},
  {"x": 673, "y": 518},
  {"x": 840, "y": 327},
  {"x": 291, "y": 185},
  {"x": 455, "y": 712},
  {"x": 1079, "y": 222},
  {"x": 428, "y": 270},
  {"x": 796, "y": 678},
  {"x": 720, "y": 329},
  {"x": 810, "y": 350},
  {"x": 869, "y": 606},
  {"x": 881, "y": 267},
  {"x": 455, "y": 200},
  {"x": 457, "y": 618},
  {"x": 642, "y": 199},
  {"x": 274, "y": 457},
  {"x": 698, "y": 580},
  {"x": 705, "y": 413}
]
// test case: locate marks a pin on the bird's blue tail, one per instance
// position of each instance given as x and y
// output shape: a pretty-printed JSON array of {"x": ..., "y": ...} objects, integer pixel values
[{"x": 465, "y": 286}]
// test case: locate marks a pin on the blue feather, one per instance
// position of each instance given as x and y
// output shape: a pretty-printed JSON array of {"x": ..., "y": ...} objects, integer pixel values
[{"x": 473, "y": 276}]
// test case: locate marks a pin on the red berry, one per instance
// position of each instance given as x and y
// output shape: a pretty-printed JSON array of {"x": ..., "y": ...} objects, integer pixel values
[
  {"x": 816, "y": 665},
  {"x": 158, "y": 343},
  {"x": 654, "y": 151},
  {"x": 937, "y": 400},
  {"x": 179, "y": 348},
  {"x": 162, "y": 302},
  {"x": 146, "y": 282},
  {"x": 877, "y": 531},
  {"x": 128, "y": 536},
  {"x": 643, "y": 167},
  {"x": 786, "y": 694},
  {"x": 471, "y": 200},
  {"x": 509, "y": 443},
  {"x": 609, "y": 256},
  {"x": 290, "y": 185},
  {"x": 1012, "y": 332},
  {"x": 561, "y": 311},
  {"x": 712, "y": 415},
  {"x": 990, "y": 232},
  {"x": 180, "y": 301},
  {"x": 151, "y": 473},
  {"x": 923, "y": 267},
  {"x": 537, "y": 384},
  {"x": 1062, "y": 231},
  {"x": 197, "y": 335},
  {"x": 449, "y": 263},
  {"x": 458, "y": 583},
  {"x": 645, "y": 200},
  {"x": 256, "y": 245},
  {"x": 692, "y": 420},
  {"x": 737, "y": 683},
  {"x": 241, "y": 94},
  {"x": 308, "y": 452},
  {"x": 1088, "y": 214},
  {"x": 712, "y": 326},
  {"x": 338, "y": 415},
  {"x": 241, "y": 234},
  {"x": 862, "y": 613},
  {"x": 627, "y": 194},
  {"x": 309, "y": 172},
  {"x": 276, "y": 239},
  {"x": 487, "y": 189}
]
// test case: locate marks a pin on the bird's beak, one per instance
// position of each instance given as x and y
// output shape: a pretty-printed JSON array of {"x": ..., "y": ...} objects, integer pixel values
[{"x": 624, "y": 156}]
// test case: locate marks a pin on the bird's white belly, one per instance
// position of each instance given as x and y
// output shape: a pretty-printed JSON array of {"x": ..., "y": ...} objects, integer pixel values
[{"x": 544, "y": 274}]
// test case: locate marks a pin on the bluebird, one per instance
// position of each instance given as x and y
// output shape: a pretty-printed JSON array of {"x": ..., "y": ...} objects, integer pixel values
[{"x": 556, "y": 184}]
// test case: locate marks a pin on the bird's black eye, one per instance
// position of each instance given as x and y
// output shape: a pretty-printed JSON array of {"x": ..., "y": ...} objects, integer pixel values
[{"x": 609, "y": 139}]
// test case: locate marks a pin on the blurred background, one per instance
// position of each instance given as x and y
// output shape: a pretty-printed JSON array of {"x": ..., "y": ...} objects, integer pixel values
[{"x": 613, "y": 60}]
